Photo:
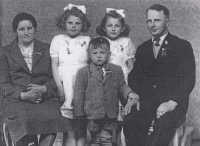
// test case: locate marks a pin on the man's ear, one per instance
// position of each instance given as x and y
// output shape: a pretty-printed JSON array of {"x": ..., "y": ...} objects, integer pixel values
[
  {"x": 168, "y": 22},
  {"x": 109, "y": 54}
]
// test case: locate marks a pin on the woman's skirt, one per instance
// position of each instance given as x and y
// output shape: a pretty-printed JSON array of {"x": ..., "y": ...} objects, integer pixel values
[{"x": 24, "y": 118}]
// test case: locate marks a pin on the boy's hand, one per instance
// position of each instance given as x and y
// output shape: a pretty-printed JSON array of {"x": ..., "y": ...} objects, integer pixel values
[
  {"x": 133, "y": 99},
  {"x": 130, "y": 104}
]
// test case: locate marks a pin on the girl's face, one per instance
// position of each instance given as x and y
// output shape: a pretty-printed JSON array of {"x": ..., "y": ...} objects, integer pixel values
[
  {"x": 73, "y": 26},
  {"x": 25, "y": 32},
  {"x": 113, "y": 28}
]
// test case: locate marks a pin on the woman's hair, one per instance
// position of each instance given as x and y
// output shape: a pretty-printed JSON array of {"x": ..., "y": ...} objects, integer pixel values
[
  {"x": 101, "y": 29},
  {"x": 61, "y": 21},
  {"x": 23, "y": 16}
]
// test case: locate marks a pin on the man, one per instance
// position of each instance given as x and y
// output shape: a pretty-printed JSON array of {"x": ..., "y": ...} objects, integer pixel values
[{"x": 163, "y": 76}]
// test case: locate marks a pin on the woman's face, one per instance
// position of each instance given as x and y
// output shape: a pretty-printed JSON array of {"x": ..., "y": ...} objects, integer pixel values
[
  {"x": 73, "y": 26},
  {"x": 113, "y": 28},
  {"x": 25, "y": 32}
]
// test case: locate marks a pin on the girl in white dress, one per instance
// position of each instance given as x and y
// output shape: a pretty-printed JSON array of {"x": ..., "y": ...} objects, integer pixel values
[
  {"x": 113, "y": 27},
  {"x": 68, "y": 54}
]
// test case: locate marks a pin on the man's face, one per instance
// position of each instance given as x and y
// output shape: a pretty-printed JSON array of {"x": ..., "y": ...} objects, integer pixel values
[
  {"x": 157, "y": 22},
  {"x": 99, "y": 56}
]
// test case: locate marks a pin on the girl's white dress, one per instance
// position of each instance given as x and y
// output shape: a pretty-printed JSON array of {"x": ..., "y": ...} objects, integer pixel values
[
  {"x": 122, "y": 49},
  {"x": 72, "y": 54}
]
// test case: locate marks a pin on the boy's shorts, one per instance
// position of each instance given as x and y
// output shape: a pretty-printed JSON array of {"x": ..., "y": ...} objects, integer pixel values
[{"x": 104, "y": 123}]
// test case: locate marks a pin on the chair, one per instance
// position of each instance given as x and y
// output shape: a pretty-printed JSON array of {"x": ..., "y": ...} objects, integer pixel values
[
  {"x": 180, "y": 126},
  {"x": 179, "y": 131},
  {"x": 7, "y": 138}
]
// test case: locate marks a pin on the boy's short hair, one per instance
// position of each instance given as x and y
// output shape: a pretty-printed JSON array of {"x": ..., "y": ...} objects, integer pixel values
[{"x": 99, "y": 42}]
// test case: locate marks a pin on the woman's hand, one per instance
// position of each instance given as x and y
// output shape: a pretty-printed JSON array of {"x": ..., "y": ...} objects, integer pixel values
[
  {"x": 37, "y": 88},
  {"x": 31, "y": 96}
]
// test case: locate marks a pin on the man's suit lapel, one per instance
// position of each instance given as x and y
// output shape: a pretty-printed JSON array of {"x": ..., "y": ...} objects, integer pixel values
[
  {"x": 17, "y": 56},
  {"x": 108, "y": 72},
  {"x": 95, "y": 73},
  {"x": 167, "y": 44}
]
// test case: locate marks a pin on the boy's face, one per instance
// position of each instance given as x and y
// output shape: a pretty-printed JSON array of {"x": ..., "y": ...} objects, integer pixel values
[{"x": 100, "y": 55}]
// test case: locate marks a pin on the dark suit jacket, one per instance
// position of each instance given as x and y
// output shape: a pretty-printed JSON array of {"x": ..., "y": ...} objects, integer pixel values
[
  {"x": 15, "y": 75},
  {"x": 94, "y": 97},
  {"x": 169, "y": 77}
]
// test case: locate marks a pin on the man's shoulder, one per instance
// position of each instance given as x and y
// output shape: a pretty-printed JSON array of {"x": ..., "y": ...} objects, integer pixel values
[
  {"x": 145, "y": 45},
  {"x": 178, "y": 39},
  {"x": 178, "y": 43}
]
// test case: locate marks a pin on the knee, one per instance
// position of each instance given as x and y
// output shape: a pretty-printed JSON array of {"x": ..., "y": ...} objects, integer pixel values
[
  {"x": 71, "y": 135},
  {"x": 131, "y": 117},
  {"x": 106, "y": 137},
  {"x": 95, "y": 137}
]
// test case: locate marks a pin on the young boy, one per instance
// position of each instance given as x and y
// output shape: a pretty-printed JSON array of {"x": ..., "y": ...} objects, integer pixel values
[{"x": 97, "y": 88}]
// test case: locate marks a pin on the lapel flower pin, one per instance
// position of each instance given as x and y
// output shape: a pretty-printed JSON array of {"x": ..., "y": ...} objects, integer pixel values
[
  {"x": 106, "y": 71},
  {"x": 119, "y": 48},
  {"x": 165, "y": 49},
  {"x": 84, "y": 43}
]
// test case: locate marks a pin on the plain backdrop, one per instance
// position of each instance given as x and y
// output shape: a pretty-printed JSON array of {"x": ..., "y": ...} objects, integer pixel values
[{"x": 184, "y": 15}]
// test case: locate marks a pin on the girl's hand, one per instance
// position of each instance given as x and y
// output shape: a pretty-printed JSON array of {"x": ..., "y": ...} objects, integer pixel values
[{"x": 61, "y": 95}]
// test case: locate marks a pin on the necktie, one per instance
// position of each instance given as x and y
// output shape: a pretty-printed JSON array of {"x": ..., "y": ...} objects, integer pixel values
[
  {"x": 157, "y": 41},
  {"x": 156, "y": 47},
  {"x": 100, "y": 71}
]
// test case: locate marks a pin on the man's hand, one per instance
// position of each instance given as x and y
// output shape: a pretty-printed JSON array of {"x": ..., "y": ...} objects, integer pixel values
[{"x": 166, "y": 107}]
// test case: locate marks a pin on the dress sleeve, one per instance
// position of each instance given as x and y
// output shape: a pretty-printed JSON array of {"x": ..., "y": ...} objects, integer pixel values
[
  {"x": 54, "y": 46},
  {"x": 130, "y": 50}
]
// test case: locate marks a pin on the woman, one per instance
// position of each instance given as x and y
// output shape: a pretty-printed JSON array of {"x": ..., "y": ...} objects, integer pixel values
[{"x": 28, "y": 87}]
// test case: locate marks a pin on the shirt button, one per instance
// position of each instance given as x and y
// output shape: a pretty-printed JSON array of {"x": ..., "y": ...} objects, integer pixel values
[{"x": 154, "y": 86}]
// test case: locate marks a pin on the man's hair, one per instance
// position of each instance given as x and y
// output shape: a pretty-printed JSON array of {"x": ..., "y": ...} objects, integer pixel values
[
  {"x": 98, "y": 42},
  {"x": 159, "y": 7}
]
